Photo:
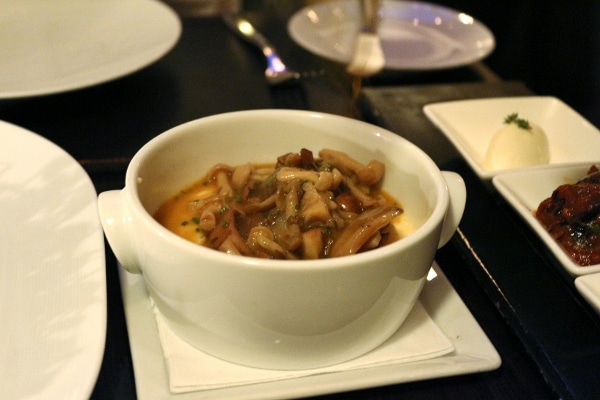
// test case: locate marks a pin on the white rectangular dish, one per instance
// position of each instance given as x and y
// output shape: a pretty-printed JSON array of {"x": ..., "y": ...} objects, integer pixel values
[
  {"x": 524, "y": 190},
  {"x": 473, "y": 352},
  {"x": 589, "y": 287},
  {"x": 471, "y": 124}
]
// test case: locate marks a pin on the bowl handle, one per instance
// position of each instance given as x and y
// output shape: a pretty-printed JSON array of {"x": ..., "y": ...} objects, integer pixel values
[
  {"x": 458, "y": 197},
  {"x": 116, "y": 221}
]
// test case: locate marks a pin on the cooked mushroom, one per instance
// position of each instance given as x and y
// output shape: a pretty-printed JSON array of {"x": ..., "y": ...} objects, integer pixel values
[
  {"x": 301, "y": 207},
  {"x": 368, "y": 174},
  {"x": 362, "y": 229}
]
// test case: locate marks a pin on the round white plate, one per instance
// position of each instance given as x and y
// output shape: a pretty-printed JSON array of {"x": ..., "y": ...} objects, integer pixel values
[
  {"x": 59, "y": 45},
  {"x": 414, "y": 35},
  {"x": 52, "y": 272}
]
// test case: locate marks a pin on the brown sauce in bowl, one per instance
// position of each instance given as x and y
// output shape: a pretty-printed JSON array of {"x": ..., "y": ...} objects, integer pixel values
[
  {"x": 300, "y": 207},
  {"x": 572, "y": 217}
]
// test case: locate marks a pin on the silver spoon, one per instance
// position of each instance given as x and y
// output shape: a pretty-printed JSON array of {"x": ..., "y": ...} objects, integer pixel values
[{"x": 277, "y": 72}]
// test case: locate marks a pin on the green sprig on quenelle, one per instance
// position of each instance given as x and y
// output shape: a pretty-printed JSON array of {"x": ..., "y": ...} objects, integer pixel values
[{"x": 514, "y": 119}]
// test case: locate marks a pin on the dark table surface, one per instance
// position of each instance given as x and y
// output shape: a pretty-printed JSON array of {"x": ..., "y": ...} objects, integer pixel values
[{"x": 547, "y": 336}]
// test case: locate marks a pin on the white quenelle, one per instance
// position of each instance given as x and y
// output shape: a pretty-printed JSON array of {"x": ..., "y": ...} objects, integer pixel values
[
  {"x": 279, "y": 314},
  {"x": 517, "y": 145}
]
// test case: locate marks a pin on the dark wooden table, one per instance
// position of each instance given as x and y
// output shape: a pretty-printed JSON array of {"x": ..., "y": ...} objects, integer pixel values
[{"x": 547, "y": 336}]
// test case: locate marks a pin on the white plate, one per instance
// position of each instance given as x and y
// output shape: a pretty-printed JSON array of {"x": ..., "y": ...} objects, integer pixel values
[
  {"x": 52, "y": 272},
  {"x": 473, "y": 352},
  {"x": 59, "y": 45},
  {"x": 589, "y": 287},
  {"x": 524, "y": 190},
  {"x": 471, "y": 124},
  {"x": 414, "y": 35}
]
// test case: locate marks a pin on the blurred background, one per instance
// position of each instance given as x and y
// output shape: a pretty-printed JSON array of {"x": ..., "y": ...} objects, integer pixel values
[{"x": 551, "y": 46}]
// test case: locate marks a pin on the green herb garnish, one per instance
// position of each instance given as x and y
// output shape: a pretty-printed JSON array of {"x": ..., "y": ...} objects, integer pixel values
[{"x": 514, "y": 119}]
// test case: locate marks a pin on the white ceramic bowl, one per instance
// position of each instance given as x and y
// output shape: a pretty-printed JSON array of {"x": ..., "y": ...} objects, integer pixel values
[{"x": 279, "y": 314}]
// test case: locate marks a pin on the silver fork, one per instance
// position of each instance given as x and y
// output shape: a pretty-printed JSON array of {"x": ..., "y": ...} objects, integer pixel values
[{"x": 277, "y": 72}]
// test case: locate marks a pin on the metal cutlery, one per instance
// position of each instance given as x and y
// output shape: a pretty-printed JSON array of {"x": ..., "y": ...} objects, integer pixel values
[{"x": 276, "y": 72}]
